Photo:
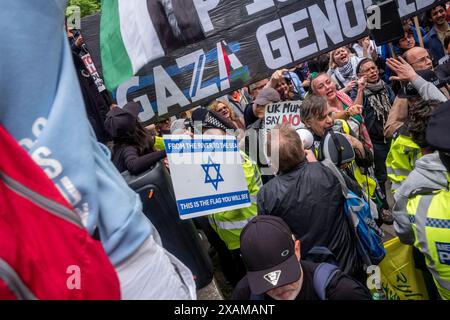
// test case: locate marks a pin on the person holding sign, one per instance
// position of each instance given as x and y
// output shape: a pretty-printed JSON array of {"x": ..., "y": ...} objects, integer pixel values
[
  {"x": 250, "y": 112},
  {"x": 286, "y": 83},
  {"x": 229, "y": 224},
  {"x": 255, "y": 139},
  {"x": 96, "y": 99}
]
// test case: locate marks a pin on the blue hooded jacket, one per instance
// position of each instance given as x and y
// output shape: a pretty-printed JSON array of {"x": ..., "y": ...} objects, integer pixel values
[
  {"x": 42, "y": 107},
  {"x": 432, "y": 43}
]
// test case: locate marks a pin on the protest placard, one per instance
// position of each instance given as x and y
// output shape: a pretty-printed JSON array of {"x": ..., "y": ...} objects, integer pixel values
[
  {"x": 283, "y": 112},
  {"x": 90, "y": 66},
  {"x": 207, "y": 174}
]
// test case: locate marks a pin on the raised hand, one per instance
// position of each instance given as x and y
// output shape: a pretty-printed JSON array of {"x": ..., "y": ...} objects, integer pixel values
[
  {"x": 362, "y": 83},
  {"x": 349, "y": 86},
  {"x": 355, "y": 109},
  {"x": 404, "y": 71}
]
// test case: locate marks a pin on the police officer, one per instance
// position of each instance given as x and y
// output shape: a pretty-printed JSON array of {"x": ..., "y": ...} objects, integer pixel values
[
  {"x": 228, "y": 225},
  {"x": 404, "y": 151},
  {"x": 422, "y": 210}
]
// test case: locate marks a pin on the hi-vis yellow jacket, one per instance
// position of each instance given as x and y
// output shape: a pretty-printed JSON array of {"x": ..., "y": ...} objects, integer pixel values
[
  {"x": 401, "y": 159},
  {"x": 159, "y": 143},
  {"x": 422, "y": 217},
  {"x": 229, "y": 224},
  {"x": 430, "y": 220}
]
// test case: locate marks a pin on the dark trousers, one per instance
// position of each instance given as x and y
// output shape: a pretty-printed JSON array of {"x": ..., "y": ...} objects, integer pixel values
[
  {"x": 381, "y": 151},
  {"x": 230, "y": 261}
]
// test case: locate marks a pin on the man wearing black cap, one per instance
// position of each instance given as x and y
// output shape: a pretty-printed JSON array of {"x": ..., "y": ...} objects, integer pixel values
[
  {"x": 422, "y": 210},
  {"x": 275, "y": 271}
]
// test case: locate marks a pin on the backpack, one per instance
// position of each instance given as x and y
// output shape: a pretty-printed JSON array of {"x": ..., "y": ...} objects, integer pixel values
[
  {"x": 323, "y": 274},
  {"x": 358, "y": 211},
  {"x": 325, "y": 271},
  {"x": 369, "y": 235},
  {"x": 45, "y": 251}
]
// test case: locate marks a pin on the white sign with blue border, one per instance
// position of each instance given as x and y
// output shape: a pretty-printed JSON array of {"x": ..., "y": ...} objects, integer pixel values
[{"x": 207, "y": 174}]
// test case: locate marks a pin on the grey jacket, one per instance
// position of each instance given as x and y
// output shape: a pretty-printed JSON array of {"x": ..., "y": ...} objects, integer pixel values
[
  {"x": 399, "y": 111},
  {"x": 428, "y": 175}
]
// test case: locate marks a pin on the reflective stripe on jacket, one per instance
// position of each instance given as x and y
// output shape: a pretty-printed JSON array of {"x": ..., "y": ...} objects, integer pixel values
[
  {"x": 429, "y": 216},
  {"x": 422, "y": 216},
  {"x": 401, "y": 160},
  {"x": 365, "y": 181}
]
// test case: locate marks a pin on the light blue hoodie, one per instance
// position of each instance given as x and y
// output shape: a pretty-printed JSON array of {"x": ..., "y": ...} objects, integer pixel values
[{"x": 42, "y": 107}]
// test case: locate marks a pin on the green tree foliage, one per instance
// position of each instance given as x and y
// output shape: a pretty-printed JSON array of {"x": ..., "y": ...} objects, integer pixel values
[{"x": 87, "y": 7}]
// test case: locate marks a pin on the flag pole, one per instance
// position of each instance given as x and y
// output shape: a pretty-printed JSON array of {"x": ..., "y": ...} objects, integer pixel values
[
  {"x": 419, "y": 34},
  {"x": 391, "y": 47}
]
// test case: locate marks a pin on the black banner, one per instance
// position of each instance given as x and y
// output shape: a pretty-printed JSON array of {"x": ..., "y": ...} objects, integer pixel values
[{"x": 246, "y": 40}]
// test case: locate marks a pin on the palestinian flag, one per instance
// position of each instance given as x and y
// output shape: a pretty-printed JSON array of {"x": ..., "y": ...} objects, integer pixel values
[{"x": 136, "y": 32}]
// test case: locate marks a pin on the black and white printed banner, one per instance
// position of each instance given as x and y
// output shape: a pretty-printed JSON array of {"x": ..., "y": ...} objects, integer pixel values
[{"x": 222, "y": 45}]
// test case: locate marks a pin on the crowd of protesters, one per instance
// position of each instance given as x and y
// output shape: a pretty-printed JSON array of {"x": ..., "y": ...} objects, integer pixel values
[
  {"x": 391, "y": 106},
  {"x": 381, "y": 100}
]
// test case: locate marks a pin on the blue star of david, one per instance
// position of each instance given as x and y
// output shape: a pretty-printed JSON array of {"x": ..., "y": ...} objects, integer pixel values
[{"x": 208, "y": 178}]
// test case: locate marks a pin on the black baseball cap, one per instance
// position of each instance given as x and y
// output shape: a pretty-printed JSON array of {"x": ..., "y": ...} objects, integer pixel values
[
  {"x": 268, "y": 251},
  {"x": 120, "y": 121},
  {"x": 429, "y": 75},
  {"x": 437, "y": 134}
]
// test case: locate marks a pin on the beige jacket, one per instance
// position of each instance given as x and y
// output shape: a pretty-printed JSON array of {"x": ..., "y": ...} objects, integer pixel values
[{"x": 397, "y": 116}]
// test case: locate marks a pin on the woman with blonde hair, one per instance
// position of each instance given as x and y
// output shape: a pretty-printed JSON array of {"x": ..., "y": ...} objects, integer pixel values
[
  {"x": 343, "y": 68},
  {"x": 342, "y": 106},
  {"x": 224, "y": 109}
]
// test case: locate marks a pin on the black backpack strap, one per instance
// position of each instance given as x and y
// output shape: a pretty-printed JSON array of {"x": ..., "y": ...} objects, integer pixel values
[
  {"x": 339, "y": 147},
  {"x": 96, "y": 234},
  {"x": 340, "y": 83}
]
